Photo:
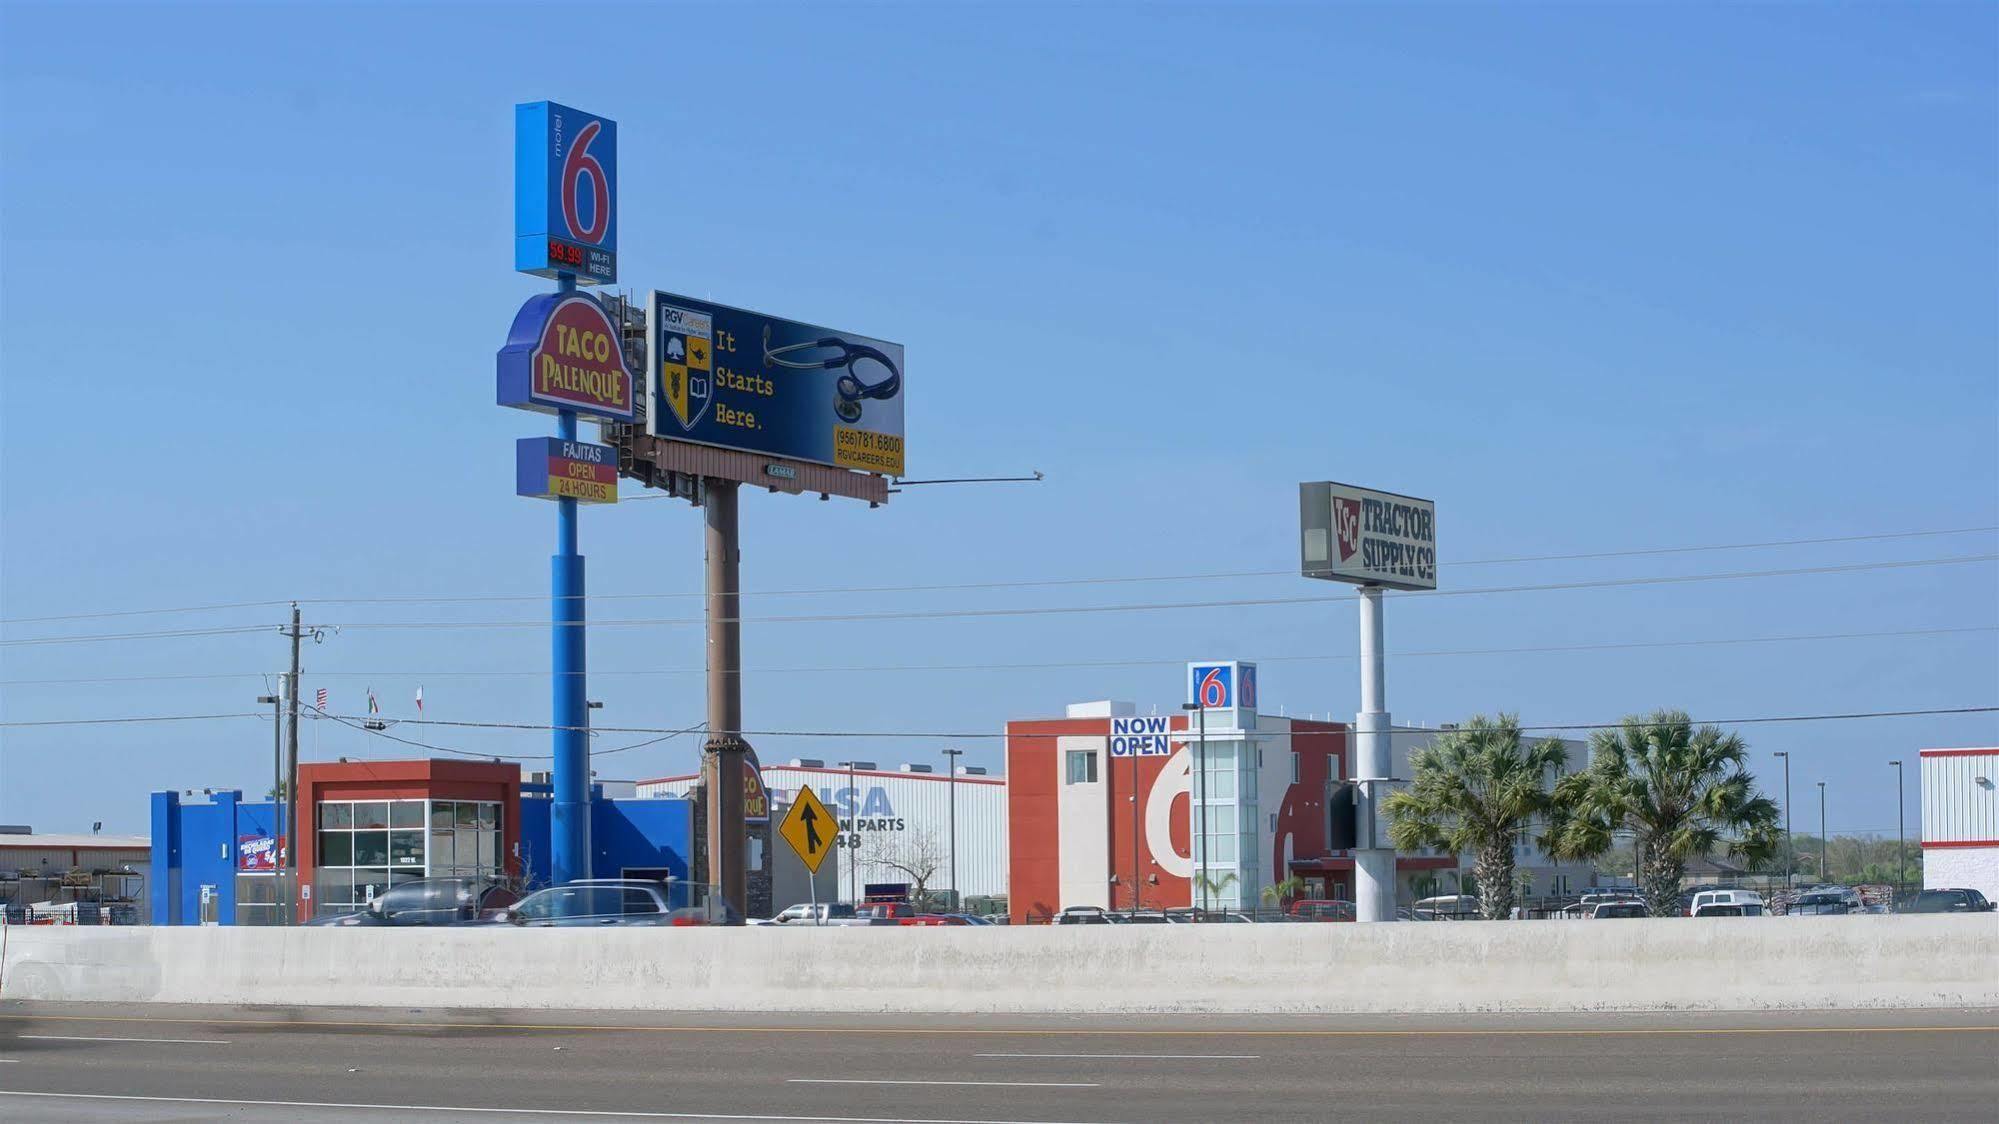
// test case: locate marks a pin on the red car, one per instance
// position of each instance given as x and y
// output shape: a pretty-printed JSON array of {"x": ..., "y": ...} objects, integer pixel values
[{"x": 1322, "y": 910}]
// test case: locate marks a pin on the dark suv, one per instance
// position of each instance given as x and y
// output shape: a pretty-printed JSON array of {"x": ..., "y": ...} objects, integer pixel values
[
  {"x": 430, "y": 901},
  {"x": 1948, "y": 901}
]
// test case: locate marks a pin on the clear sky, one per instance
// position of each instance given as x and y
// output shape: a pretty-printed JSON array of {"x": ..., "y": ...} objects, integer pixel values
[{"x": 1594, "y": 280}]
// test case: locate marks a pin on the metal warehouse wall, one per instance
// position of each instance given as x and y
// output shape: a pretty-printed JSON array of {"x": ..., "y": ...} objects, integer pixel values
[
  {"x": 1956, "y": 808},
  {"x": 898, "y": 812}
]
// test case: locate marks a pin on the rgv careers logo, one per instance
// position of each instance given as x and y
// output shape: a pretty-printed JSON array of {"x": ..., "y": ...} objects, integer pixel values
[{"x": 1346, "y": 526}]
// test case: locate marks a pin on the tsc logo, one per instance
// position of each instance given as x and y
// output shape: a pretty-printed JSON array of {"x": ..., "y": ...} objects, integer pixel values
[
  {"x": 1346, "y": 526},
  {"x": 578, "y": 164}
]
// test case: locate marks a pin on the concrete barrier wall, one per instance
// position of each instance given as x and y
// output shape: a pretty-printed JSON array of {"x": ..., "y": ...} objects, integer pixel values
[{"x": 1676, "y": 964}]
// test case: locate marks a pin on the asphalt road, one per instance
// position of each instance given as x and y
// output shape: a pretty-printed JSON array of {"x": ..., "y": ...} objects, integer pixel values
[{"x": 66, "y": 1062}]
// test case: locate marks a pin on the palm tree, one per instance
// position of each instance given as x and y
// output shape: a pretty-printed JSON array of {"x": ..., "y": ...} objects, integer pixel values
[
  {"x": 1275, "y": 893},
  {"x": 1475, "y": 789},
  {"x": 1682, "y": 792}
]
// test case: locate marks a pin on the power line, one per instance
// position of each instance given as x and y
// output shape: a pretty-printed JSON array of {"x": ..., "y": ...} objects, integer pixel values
[
  {"x": 1061, "y": 610},
  {"x": 594, "y": 754},
  {"x": 1155, "y": 606},
  {"x": 1035, "y": 666},
  {"x": 988, "y": 735},
  {"x": 1042, "y": 583}
]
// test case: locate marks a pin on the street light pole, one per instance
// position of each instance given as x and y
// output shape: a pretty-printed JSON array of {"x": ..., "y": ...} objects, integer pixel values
[
  {"x": 854, "y": 831},
  {"x": 1823, "y": 844},
  {"x": 1201, "y": 794},
  {"x": 1790, "y": 845},
  {"x": 951, "y": 758},
  {"x": 278, "y": 826},
  {"x": 1901, "y": 856}
]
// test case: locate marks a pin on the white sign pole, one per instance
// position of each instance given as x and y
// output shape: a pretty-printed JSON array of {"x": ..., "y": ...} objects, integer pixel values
[{"x": 1374, "y": 863}]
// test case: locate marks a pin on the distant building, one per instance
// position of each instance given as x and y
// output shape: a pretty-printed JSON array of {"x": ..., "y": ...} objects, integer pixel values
[
  {"x": 1961, "y": 820},
  {"x": 91, "y": 870}
]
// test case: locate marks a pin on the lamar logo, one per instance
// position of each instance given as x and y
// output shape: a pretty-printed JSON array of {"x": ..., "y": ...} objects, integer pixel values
[{"x": 1346, "y": 526}]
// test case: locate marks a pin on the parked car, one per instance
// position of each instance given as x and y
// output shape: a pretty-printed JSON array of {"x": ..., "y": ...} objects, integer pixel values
[
  {"x": 1083, "y": 915},
  {"x": 1447, "y": 907},
  {"x": 824, "y": 913},
  {"x": 613, "y": 901},
  {"x": 1738, "y": 903},
  {"x": 1826, "y": 903},
  {"x": 885, "y": 913},
  {"x": 1615, "y": 910},
  {"x": 1322, "y": 910},
  {"x": 929, "y": 919},
  {"x": 1948, "y": 901},
  {"x": 429, "y": 901}
]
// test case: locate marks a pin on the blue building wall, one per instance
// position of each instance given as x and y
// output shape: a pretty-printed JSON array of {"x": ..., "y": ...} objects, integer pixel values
[
  {"x": 195, "y": 845},
  {"x": 624, "y": 834}
]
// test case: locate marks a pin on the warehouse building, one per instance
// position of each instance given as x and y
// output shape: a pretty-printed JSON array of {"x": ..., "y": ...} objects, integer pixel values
[
  {"x": 896, "y": 825},
  {"x": 1961, "y": 820},
  {"x": 74, "y": 878}
]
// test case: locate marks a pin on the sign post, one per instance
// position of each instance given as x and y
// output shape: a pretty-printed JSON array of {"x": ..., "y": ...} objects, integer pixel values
[
  {"x": 1376, "y": 540},
  {"x": 564, "y": 355}
]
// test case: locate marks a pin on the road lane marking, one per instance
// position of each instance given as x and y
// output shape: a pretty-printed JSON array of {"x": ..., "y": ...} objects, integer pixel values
[
  {"x": 99, "y": 1038},
  {"x": 511, "y": 1111},
  {"x": 1160, "y": 1057},
  {"x": 1040, "y": 1032},
  {"x": 989, "y": 1084}
]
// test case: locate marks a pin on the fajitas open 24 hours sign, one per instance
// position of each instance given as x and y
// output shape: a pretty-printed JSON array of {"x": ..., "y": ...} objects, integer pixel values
[{"x": 563, "y": 353}]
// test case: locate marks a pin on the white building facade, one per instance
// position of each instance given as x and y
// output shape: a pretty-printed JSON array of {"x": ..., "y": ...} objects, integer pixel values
[
  {"x": 896, "y": 824},
  {"x": 1961, "y": 820}
]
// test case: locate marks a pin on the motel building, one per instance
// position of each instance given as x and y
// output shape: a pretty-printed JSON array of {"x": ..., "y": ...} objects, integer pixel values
[{"x": 1109, "y": 808}]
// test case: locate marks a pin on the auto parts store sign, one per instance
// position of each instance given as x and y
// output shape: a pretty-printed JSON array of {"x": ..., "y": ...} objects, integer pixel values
[{"x": 1365, "y": 537}]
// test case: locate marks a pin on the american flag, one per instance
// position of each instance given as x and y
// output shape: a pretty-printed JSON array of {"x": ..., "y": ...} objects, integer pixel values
[{"x": 321, "y": 704}]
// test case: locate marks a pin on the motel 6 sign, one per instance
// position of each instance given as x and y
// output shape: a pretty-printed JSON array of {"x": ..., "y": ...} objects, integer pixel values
[{"x": 565, "y": 193}]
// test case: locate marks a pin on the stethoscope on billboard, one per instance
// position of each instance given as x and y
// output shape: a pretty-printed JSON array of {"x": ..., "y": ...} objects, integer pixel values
[{"x": 856, "y": 383}]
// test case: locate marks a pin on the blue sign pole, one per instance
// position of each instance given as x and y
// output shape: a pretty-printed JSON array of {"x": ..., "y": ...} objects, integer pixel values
[{"x": 569, "y": 845}]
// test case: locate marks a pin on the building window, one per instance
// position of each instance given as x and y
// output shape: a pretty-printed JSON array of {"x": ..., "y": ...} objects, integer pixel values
[
  {"x": 367, "y": 846},
  {"x": 1294, "y": 768},
  {"x": 256, "y": 899},
  {"x": 1082, "y": 766}
]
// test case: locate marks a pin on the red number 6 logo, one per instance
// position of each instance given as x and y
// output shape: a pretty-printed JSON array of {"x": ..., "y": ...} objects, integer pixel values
[
  {"x": 1214, "y": 692},
  {"x": 574, "y": 167}
]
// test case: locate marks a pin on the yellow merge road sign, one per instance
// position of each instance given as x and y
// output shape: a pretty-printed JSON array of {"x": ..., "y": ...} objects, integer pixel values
[{"x": 809, "y": 828}]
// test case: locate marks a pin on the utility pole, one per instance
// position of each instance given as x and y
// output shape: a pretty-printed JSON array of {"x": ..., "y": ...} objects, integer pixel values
[
  {"x": 292, "y": 818},
  {"x": 951, "y": 758},
  {"x": 722, "y": 756},
  {"x": 1901, "y": 856},
  {"x": 1790, "y": 844},
  {"x": 1823, "y": 843}
]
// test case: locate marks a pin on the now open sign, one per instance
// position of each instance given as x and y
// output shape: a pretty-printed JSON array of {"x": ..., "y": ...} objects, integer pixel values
[{"x": 1141, "y": 737}]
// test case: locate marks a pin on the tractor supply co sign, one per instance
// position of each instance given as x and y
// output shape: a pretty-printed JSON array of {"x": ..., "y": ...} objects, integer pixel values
[
  {"x": 1141, "y": 737},
  {"x": 1365, "y": 537}
]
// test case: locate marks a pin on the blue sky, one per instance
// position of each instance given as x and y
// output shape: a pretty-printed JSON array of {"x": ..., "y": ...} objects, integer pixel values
[{"x": 1594, "y": 280}]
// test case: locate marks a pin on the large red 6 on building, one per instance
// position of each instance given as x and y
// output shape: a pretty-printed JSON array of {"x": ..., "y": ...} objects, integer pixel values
[{"x": 565, "y": 193}]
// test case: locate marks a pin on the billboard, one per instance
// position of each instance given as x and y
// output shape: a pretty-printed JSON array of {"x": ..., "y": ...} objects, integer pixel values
[
  {"x": 1357, "y": 535},
  {"x": 565, "y": 193},
  {"x": 722, "y": 376},
  {"x": 1217, "y": 685},
  {"x": 562, "y": 353},
  {"x": 257, "y": 852},
  {"x": 547, "y": 468}
]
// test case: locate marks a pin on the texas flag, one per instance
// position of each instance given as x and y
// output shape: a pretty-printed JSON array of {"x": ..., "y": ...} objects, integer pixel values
[{"x": 419, "y": 700}]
